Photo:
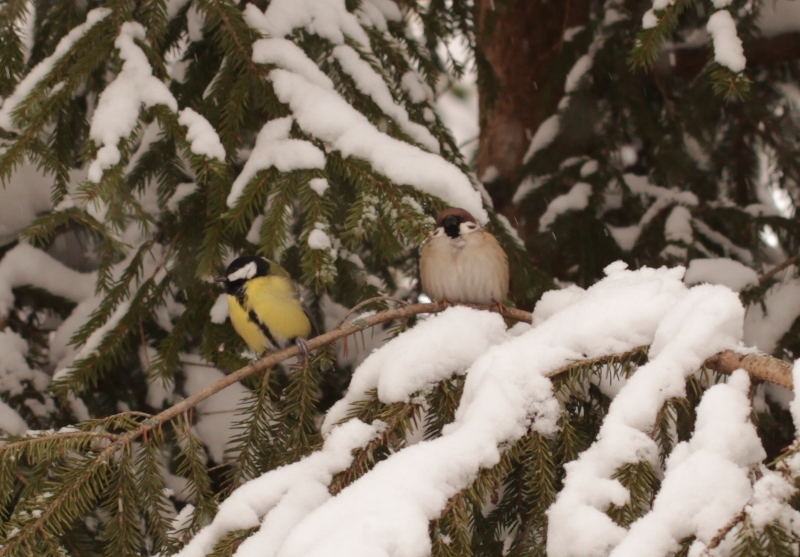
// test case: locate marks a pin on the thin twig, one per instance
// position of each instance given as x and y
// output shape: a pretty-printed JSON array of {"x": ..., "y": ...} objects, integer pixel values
[
  {"x": 399, "y": 301},
  {"x": 723, "y": 532},
  {"x": 777, "y": 269}
]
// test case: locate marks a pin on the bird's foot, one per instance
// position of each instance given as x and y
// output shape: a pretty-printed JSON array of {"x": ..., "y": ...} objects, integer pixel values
[
  {"x": 254, "y": 361},
  {"x": 303, "y": 344},
  {"x": 304, "y": 349},
  {"x": 499, "y": 307}
]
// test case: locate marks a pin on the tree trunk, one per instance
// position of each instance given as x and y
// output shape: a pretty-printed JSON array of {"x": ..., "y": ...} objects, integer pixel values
[{"x": 521, "y": 86}]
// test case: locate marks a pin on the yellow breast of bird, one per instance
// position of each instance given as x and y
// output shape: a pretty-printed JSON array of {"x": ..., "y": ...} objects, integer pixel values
[{"x": 271, "y": 315}]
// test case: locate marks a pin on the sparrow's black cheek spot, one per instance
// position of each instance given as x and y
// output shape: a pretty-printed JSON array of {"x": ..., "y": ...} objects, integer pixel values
[{"x": 451, "y": 226}]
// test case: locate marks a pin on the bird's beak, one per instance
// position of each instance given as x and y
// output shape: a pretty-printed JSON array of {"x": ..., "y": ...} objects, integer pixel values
[{"x": 220, "y": 279}]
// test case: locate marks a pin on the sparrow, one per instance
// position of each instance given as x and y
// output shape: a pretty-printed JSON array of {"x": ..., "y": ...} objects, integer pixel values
[
  {"x": 462, "y": 263},
  {"x": 265, "y": 305}
]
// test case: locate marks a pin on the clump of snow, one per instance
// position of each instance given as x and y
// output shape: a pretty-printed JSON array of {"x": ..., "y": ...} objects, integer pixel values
[
  {"x": 380, "y": 12},
  {"x": 570, "y": 32},
  {"x": 650, "y": 20},
  {"x": 202, "y": 135},
  {"x": 417, "y": 90},
  {"x": 706, "y": 483},
  {"x": 282, "y": 497},
  {"x": 529, "y": 185},
  {"x": 694, "y": 325},
  {"x": 38, "y": 73},
  {"x": 576, "y": 199},
  {"x": 640, "y": 185},
  {"x": 182, "y": 191},
  {"x": 327, "y": 18},
  {"x": 727, "y": 272},
  {"x": 459, "y": 112},
  {"x": 579, "y": 69},
  {"x": 14, "y": 370},
  {"x": 119, "y": 104},
  {"x": 319, "y": 186},
  {"x": 25, "y": 265},
  {"x": 678, "y": 227},
  {"x": 274, "y": 148},
  {"x": 421, "y": 357},
  {"x": 287, "y": 55},
  {"x": 589, "y": 168},
  {"x": 544, "y": 136},
  {"x": 625, "y": 236},
  {"x": 11, "y": 421},
  {"x": 728, "y": 50},
  {"x": 219, "y": 311},
  {"x": 769, "y": 503},
  {"x": 318, "y": 239},
  {"x": 195, "y": 22},
  {"x": 369, "y": 82},
  {"x": 328, "y": 116}
]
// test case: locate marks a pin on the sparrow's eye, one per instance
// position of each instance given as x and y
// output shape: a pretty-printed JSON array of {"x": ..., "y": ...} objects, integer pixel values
[{"x": 472, "y": 226}]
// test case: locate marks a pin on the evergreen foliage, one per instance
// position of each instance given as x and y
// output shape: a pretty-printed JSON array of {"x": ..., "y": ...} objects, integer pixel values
[{"x": 171, "y": 136}]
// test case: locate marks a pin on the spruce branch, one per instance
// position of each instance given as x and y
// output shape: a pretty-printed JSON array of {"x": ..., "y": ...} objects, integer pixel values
[
  {"x": 758, "y": 366},
  {"x": 763, "y": 279}
]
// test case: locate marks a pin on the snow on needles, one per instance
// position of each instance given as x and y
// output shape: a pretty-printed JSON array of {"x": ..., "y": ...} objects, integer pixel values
[
  {"x": 420, "y": 358},
  {"x": 728, "y": 50},
  {"x": 274, "y": 148},
  {"x": 322, "y": 112},
  {"x": 25, "y": 265},
  {"x": 282, "y": 497},
  {"x": 326, "y": 115},
  {"x": 202, "y": 135},
  {"x": 707, "y": 478},
  {"x": 697, "y": 324},
  {"x": 576, "y": 199},
  {"x": 118, "y": 108},
  {"x": 388, "y": 510},
  {"x": 35, "y": 76}
]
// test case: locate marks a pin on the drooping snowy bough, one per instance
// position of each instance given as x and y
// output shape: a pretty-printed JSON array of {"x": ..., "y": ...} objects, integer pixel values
[{"x": 394, "y": 470}]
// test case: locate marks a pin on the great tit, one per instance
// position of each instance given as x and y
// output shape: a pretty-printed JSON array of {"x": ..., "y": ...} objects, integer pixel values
[
  {"x": 265, "y": 305},
  {"x": 461, "y": 262}
]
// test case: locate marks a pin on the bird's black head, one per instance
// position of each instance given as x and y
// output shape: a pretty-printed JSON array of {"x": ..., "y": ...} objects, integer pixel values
[
  {"x": 450, "y": 220},
  {"x": 241, "y": 270}
]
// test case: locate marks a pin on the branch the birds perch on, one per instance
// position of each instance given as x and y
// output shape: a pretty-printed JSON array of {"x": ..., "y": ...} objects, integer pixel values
[{"x": 759, "y": 366}]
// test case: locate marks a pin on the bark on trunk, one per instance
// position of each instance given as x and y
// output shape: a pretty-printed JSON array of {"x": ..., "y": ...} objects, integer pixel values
[{"x": 519, "y": 39}]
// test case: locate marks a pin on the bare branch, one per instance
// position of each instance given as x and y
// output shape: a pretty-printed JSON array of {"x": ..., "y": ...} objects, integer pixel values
[
  {"x": 777, "y": 269},
  {"x": 758, "y": 366}
]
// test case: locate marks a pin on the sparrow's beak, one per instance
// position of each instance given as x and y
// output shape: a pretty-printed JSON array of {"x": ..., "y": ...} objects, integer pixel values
[{"x": 220, "y": 279}]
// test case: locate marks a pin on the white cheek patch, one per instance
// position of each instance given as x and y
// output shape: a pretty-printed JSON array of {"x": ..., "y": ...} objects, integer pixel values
[
  {"x": 467, "y": 227},
  {"x": 245, "y": 273}
]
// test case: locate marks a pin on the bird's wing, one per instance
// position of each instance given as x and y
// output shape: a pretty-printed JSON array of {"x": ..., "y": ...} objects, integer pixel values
[
  {"x": 314, "y": 328},
  {"x": 279, "y": 271}
]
